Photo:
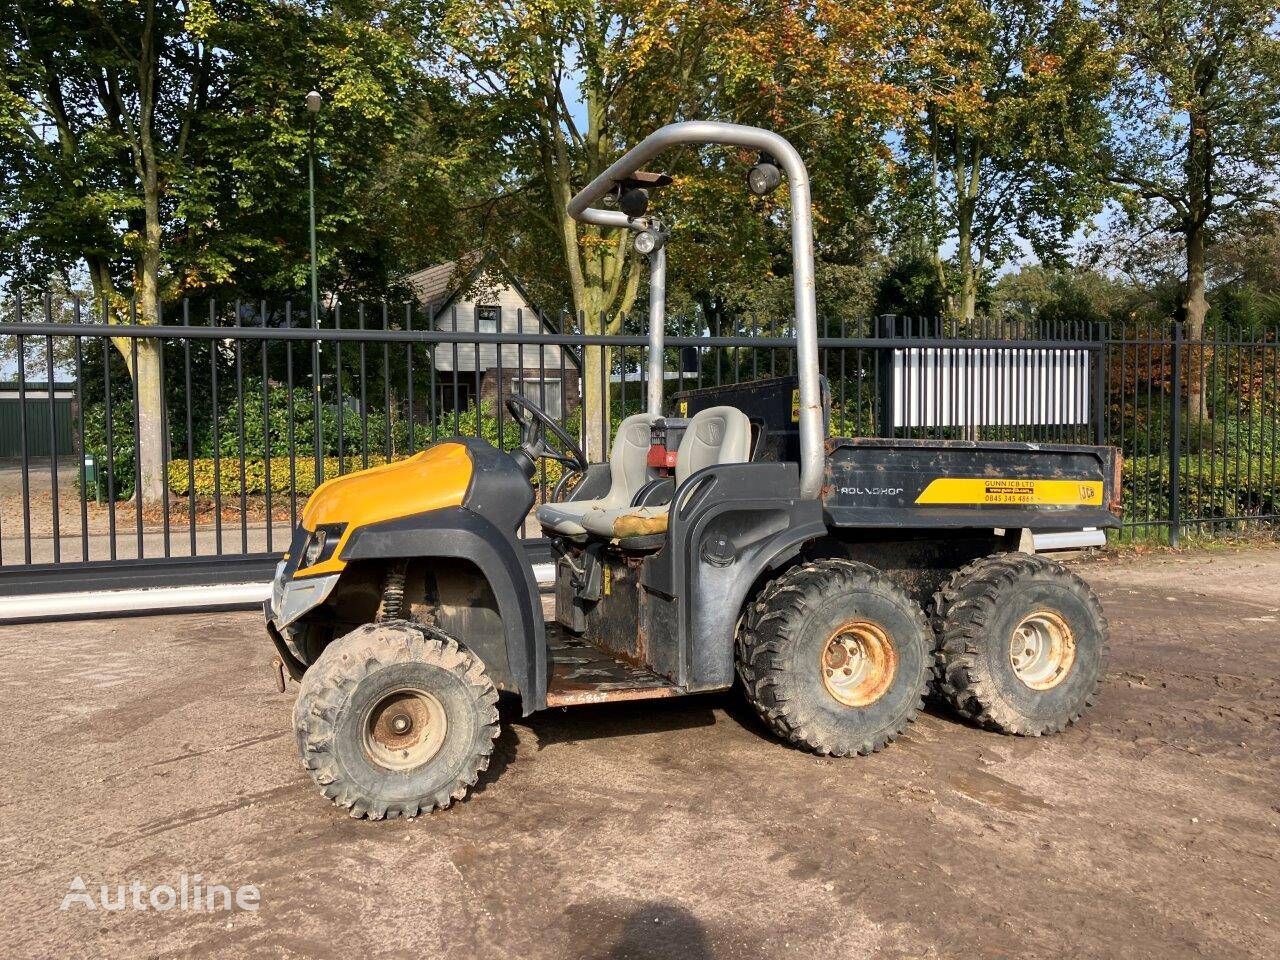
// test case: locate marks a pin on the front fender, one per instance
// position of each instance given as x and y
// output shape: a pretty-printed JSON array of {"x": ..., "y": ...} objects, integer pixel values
[{"x": 458, "y": 533}]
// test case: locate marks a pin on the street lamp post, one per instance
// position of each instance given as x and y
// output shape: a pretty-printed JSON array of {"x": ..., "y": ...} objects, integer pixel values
[{"x": 314, "y": 102}]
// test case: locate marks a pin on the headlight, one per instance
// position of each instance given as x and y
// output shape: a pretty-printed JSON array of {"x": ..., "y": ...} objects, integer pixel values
[
  {"x": 321, "y": 544},
  {"x": 311, "y": 556},
  {"x": 647, "y": 241}
]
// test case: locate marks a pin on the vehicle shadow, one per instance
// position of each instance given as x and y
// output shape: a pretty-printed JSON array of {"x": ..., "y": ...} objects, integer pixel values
[
  {"x": 505, "y": 747},
  {"x": 606, "y": 720},
  {"x": 628, "y": 718},
  {"x": 658, "y": 930}
]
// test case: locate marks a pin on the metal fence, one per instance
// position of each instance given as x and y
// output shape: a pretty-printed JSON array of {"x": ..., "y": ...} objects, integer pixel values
[
  {"x": 1198, "y": 422},
  {"x": 257, "y": 407}
]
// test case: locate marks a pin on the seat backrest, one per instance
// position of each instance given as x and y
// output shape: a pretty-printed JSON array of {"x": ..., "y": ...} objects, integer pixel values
[
  {"x": 629, "y": 459},
  {"x": 715, "y": 435}
]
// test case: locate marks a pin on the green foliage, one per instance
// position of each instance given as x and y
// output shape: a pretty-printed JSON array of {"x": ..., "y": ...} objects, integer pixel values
[
  {"x": 1193, "y": 114},
  {"x": 207, "y": 477},
  {"x": 1051, "y": 295},
  {"x": 1210, "y": 488},
  {"x": 1234, "y": 474},
  {"x": 291, "y": 428},
  {"x": 114, "y": 455},
  {"x": 290, "y": 424},
  {"x": 1004, "y": 138},
  {"x": 217, "y": 174}
]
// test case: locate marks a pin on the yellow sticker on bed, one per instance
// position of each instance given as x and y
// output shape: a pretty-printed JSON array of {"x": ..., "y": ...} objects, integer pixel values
[{"x": 987, "y": 490}]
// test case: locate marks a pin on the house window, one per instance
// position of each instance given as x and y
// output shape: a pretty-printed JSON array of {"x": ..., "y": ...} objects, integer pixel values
[
  {"x": 488, "y": 319},
  {"x": 545, "y": 393},
  {"x": 450, "y": 396}
]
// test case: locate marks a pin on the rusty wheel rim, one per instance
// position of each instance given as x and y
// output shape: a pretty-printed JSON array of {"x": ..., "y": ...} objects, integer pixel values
[
  {"x": 404, "y": 729},
  {"x": 1042, "y": 650},
  {"x": 858, "y": 663}
]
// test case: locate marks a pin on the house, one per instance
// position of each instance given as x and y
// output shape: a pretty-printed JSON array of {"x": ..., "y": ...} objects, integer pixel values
[{"x": 480, "y": 293}]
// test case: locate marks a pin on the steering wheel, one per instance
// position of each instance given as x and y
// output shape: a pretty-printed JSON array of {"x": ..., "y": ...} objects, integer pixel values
[{"x": 535, "y": 425}]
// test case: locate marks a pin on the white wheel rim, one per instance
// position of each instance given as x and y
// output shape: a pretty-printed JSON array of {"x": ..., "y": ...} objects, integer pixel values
[{"x": 1042, "y": 649}]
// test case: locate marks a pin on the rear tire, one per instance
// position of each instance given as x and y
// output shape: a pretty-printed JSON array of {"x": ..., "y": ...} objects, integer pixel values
[
  {"x": 1022, "y": 644},
  {"x": 835, "y": 657},
  {"x": 395, "y": 719}
]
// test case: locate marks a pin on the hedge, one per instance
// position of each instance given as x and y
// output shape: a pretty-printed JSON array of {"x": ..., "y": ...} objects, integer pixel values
[
  {"x": 1210, "y": 487},
  {"x": 255, "y": 474}
]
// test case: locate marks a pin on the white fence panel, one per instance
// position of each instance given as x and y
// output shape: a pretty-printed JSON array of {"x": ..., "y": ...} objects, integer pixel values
[{"x": 983, "y": 387}]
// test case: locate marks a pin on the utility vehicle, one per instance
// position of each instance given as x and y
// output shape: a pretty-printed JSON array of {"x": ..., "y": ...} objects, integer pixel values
[{"x": 840, "y": 580}]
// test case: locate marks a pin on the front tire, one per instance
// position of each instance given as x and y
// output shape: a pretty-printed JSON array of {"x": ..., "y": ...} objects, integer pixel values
[
  {"x": 835, "y": 657},
  {"x": 1022, "y": 644},
  {"x": 395, "y": 719}
]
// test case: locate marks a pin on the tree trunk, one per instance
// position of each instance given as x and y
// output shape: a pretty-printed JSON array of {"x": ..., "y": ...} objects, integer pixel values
[
  {"x": 935, "y": 190},
  {"x": 968, "y": 306},
  {"x": 595, "y": 402},
  {"x": 604, "y": 287},
  {"x": 1198, "y": 170},
  {"x": 145, "y": 376},
  {"x": 1195, "y": 308},
  {"x": 968, "y": 186},
  {"x": 152, "y": 457},
  {"x": 148, "y": 383},
  {"x": 603, "y": 279}
]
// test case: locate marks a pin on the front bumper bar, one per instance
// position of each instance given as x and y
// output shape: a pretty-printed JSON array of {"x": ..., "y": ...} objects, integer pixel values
[
  {"x": 291, "y": 663},
  {"x": 290, "y": 600}
]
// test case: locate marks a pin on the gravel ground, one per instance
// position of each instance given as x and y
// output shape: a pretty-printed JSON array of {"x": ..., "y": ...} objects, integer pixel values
[{"x": 141, "y": 749}]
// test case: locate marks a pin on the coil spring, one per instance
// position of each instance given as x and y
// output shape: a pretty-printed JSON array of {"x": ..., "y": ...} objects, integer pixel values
[{"x": 392, "y": 605}]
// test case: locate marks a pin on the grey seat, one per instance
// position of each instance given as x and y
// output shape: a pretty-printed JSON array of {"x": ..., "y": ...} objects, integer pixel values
[
  {"x": 628, "y": 471},
  {"x": 714, "y": 436}
]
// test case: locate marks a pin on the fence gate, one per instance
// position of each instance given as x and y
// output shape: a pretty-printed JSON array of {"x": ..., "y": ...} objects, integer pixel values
[{"x": 257, "y": 407}]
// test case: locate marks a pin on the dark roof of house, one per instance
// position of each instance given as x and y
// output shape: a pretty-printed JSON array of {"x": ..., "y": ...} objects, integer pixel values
[{"x": 438, "y": 285}]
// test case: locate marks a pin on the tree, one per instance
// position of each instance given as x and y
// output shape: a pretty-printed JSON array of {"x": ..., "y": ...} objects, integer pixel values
[
  {"x": 562, "y": 85},
  {"x": 102, "y": 99},
  {"x": 567, "y": 84},
  {"x": 155, "y": 146},
  {"x": 1244, "y": 271},
  {"x": 394, "y": 154},
  {"x": 822, "y": 75},
  {"x": 1069, "y": 296},
  {"x": 1196, "y": 132},
  {"x": 1006, "y": 124}
]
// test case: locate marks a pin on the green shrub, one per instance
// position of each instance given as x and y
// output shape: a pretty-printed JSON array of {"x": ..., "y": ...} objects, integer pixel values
[
  {"x": 255, "y": 474},
  {"x": 1210, "y": 487}
]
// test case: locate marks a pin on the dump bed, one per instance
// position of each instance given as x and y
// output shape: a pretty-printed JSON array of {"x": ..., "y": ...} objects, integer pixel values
[{"x": 958, "y": 483}]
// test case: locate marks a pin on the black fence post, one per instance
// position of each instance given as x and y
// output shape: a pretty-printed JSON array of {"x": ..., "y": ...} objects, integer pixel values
[
  {"x": 885, "y": 324},
  {"x": 1175, "y": 439},
  {"x": 1099, "y": 384}
]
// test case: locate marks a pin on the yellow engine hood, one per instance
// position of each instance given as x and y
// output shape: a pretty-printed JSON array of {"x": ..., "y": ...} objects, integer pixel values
[{"x": 435, "y": 478}]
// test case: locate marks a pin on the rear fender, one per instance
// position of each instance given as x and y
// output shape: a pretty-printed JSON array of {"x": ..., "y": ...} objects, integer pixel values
[
  {"x": 730, "y": 524},
  {"x": 455, "y": 540}
]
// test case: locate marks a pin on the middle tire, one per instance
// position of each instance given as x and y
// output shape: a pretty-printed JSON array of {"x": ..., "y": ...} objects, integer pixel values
[{"x": 835, "y": 657}]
